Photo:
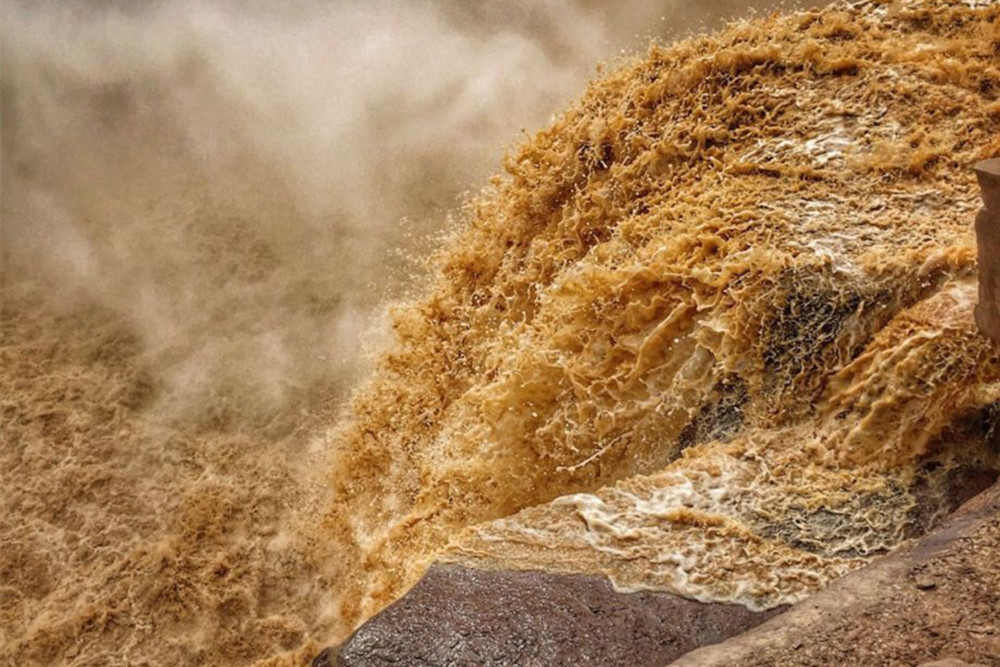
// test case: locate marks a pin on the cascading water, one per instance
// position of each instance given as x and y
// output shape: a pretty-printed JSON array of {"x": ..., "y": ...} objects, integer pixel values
[{"x": 712, "y": 333}]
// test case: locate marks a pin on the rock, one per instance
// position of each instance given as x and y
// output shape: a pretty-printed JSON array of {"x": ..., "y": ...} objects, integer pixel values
[
  {"x": 956, "y": 487},
  {"x": 326, "y": 658},
  {"x": 459, "y": 615},
  {"x": 868, "y": 618},
  {"x": 988, "y": 241}
]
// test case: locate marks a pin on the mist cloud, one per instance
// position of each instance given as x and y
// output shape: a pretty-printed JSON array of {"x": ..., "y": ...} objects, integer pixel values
[{"x": 232, "y": 178}]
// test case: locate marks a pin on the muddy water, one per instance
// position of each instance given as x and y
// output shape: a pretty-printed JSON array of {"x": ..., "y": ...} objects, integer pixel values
[{"x": 712, "y": 333}]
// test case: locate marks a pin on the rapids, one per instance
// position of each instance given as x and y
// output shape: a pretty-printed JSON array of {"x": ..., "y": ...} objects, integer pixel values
[
  {"x": 708, "y": 332},
  {"x": 711, "y": 332}
]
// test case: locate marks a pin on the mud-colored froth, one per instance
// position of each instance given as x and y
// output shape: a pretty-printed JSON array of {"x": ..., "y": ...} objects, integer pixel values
[
  {"x": 721, "y": 309},
  {"x": 746, "y": 255},
  {"x": 201, "y": 212},
  {"x": 771, "y": 516},
  {"x": 128, "y": 540}
]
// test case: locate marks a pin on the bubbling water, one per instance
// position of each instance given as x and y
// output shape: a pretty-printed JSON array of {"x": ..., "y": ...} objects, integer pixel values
[{"x": 712, "y": 332}]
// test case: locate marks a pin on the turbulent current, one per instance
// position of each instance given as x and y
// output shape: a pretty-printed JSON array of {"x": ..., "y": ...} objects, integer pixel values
[{"x": 712, "y": 333}]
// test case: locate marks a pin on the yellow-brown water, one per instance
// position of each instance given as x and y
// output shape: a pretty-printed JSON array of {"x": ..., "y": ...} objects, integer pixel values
[
  {"x": 203, "y": 205},
  {"x": 712, "y": 329},
  {"x": 711, "y": 332}
]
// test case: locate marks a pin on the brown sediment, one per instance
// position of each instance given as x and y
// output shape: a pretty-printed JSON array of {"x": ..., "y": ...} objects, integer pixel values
[
  {"x": 711, "y": 334},
  {"x": 459, "y": 615}
]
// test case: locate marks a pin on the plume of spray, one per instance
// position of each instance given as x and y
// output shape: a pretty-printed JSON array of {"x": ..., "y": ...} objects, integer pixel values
[
  {"x": 233, "y": 178},
  {"x": 240, "y": 185}
]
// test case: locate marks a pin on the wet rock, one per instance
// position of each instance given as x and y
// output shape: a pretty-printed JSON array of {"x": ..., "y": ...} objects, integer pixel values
[
  {"x": 326, "y": 658},
  {"x": 869, "y": 618},
  {"x": 937, "y": 497},
  {"x": 462, "y": 616},
  {"x": 988, "y": 240}
]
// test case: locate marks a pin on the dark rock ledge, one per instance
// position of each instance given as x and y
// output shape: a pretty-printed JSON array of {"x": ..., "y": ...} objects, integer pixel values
[{"x": 459, "y": 616}]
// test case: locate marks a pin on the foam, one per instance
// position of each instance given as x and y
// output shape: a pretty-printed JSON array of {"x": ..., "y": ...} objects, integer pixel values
[{"x": 726, "y": 297}]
